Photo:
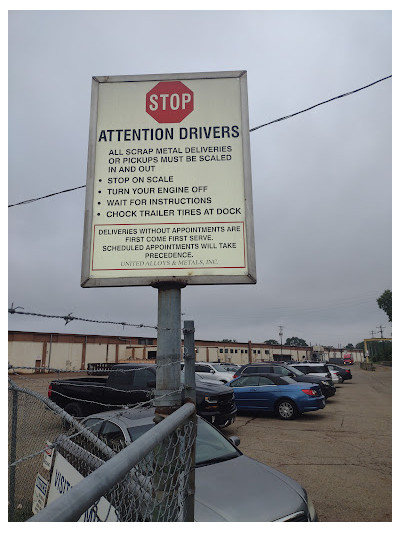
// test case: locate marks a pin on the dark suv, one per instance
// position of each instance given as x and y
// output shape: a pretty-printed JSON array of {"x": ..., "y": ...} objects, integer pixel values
[{"x": 282, "y": 369}]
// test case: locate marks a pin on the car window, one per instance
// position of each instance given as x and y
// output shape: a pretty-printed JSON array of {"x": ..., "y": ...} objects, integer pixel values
[
  {"x": 112, "y": 435},
  {"x": 295, "y": 371},
  {"x": 202, "y": 368},
  {"x": 93, "y": 424},
  {"x": 246, "y": 381},
  {"x": 281, "y": 371},
  {"x": 301, "y": 369},
  {"x": 211, "y": 446},
  {"x": 265, "y": 381},
  {"x": 288, "y": 380}
]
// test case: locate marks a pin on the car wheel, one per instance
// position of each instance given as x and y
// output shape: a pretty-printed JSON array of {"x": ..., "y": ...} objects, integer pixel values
[{"x": 286, "y": 410}]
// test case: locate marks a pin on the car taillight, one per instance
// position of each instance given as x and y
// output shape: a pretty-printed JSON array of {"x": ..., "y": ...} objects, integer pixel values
[
  {"x": 348, "y": 371},
  {"x": 309, "y": 392},
  {"x": 235, "y": 376},
  {"x": 49, "y": 391}
]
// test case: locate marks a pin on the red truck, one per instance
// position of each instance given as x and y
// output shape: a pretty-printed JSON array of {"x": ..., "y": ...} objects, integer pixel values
[{"x": 348, "y": 359}]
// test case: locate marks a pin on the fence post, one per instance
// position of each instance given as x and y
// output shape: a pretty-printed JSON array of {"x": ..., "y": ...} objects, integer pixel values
[
  {"x": 13, "y": 452},
  {"x": 190, "y": 395},
  {"x": 168, "y": 396}
]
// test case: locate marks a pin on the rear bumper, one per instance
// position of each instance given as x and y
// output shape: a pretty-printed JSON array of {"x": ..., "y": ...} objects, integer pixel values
[{"x": 314, "y": 404}]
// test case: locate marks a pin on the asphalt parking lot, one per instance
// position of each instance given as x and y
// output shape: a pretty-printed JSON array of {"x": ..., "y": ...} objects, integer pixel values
[{"x": 342, "y": 454}]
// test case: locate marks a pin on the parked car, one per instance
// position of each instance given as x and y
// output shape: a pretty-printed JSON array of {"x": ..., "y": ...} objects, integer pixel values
[
  {"x": 336, "y": 377},
  {"x": 230, "y": 487},
  {"x": 230, "y": 367},
  {"x": 326, "y": 384},
  {"x": 285, "y": 397},
  {"x": 314, "y": 369},
  {"x": 345, "y": 373},
  {"x": 133, "y": 383},
  {"x": 215, "y": 371}
]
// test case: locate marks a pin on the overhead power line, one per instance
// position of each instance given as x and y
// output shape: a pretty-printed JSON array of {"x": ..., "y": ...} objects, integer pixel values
[
  {"x": 252, "y": 129},
  {"x": 321, "y": 103},
  {"x": 47, "y": 196}
]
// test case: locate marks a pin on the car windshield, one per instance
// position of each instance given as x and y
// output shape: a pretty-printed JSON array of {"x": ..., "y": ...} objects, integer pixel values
[
  {"x": 211, "y": 445},
  {"x": 219, "y": 368}
]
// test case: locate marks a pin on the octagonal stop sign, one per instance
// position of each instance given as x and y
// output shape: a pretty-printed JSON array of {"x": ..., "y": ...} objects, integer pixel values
[{"x": 169, "y": 101}]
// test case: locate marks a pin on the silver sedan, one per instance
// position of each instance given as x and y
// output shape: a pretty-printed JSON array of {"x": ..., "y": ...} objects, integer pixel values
[{"x": 230, "y": 487}]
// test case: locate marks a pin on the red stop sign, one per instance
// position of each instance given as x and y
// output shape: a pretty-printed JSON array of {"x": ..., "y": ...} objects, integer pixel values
[{"x": 169, "y": 101}]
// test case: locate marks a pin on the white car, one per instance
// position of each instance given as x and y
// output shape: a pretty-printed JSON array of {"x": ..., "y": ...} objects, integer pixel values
[
  {"x": 317, "y": 369},
  {"x": 336, "y": 377},
  {"x": 213, "y": 371}
]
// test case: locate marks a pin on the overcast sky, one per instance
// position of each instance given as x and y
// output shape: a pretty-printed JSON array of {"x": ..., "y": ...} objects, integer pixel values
[{"x": 321, "y": 180}]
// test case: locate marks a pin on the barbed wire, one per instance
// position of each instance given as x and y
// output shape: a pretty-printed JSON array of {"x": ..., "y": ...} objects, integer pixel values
[
  {"x": 100, "y": 371},
  {"x": 69, "y": 318}
]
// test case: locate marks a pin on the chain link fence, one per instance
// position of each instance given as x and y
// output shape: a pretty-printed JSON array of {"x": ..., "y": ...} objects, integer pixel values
[{"x": 52, "y": 456}]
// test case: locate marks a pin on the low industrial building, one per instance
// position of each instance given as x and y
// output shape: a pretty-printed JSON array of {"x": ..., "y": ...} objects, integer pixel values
[{"x": 32, "y": 351}]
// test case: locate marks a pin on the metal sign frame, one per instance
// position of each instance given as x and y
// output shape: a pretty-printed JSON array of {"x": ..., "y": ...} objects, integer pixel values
[{"x": 183, "y": 276}]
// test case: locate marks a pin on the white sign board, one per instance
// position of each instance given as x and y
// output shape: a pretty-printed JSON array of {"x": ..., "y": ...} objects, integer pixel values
[
  {"x": 39, "y": 494},
  {"x": 48, "y": 456},
  {"x": 168, "y": 194},
  {"x": 66, "y": 476}
]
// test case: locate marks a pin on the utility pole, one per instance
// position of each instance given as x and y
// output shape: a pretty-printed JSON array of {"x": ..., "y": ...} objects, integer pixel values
[
  {"x": 381, "y": 328},
  {"x": 372, "y": 333},
  {"x": 281, "y": 334}
]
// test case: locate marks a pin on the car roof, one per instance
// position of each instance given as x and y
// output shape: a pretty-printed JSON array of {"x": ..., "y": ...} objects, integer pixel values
[
  {"x": 266, "y": 374},
  {"x": 262, "y": 363},
  {"x": 133, "y": 365},
  {"x": 126, "y": 415},
  {"x": 322, "y": 363}
]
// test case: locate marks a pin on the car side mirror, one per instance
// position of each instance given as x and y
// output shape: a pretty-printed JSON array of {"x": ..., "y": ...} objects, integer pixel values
[
  {"x": 292, "y": 375},
  {"x": 212, "y": 371},
  {"x": 234, "y": 440}
]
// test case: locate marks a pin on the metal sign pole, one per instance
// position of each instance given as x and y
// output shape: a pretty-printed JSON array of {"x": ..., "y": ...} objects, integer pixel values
[
  {"x": 167, "y": 395},
  {"x": 190, "y": 396},
  {"x": 168, "y": 379}
]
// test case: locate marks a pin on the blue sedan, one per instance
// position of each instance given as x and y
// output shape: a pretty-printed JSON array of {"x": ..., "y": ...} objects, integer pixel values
[{"x": 282, "y": 395}]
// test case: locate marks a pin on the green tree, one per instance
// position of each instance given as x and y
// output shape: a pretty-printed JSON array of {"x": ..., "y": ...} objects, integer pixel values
[
  {"x": 349, "y": 346},
  {"x": 385, "y": 303},
  {"x": 271, "y": 341},
  {"x": 295, "y": 341}
]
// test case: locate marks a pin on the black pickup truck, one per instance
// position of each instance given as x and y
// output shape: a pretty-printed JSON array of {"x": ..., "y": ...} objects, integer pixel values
[{"x": 130, "y": 384}]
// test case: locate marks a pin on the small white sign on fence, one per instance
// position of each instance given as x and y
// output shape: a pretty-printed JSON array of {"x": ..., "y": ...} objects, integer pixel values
[
  {"x": 39, "y": 494},
  {"x": 48, "y": 456},
  {"x": 66, "y": 476}
]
